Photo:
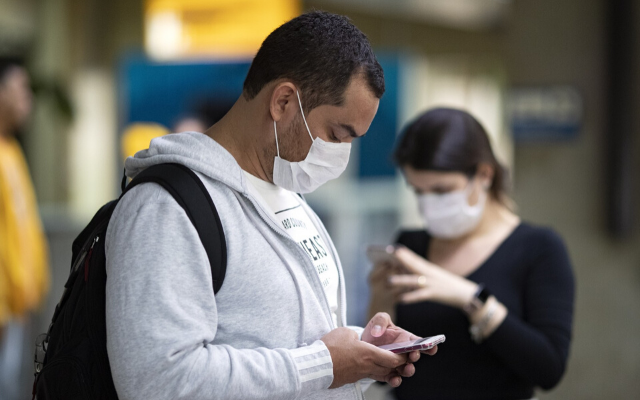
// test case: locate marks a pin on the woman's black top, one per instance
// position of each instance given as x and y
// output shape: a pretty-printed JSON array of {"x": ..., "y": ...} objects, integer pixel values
[{"x": 530, "y": 273}]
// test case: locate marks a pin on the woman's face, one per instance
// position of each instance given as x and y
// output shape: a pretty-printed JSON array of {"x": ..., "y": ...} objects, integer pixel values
[
  {"x": 438, "y": 182},
  {"x": 15, "y": 97}
]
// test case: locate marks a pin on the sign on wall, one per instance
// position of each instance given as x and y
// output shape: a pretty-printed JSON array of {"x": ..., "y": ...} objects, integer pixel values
[{"x": 552, "y": 113}]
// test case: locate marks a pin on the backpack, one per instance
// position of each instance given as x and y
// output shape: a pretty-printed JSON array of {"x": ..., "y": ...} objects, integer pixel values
[{"x": 75, "y": 364}]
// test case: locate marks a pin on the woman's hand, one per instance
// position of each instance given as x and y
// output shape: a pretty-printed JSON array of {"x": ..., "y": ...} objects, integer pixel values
[
  {"x": 382, "y": 297},
  {"x": 427, "y": 281}
]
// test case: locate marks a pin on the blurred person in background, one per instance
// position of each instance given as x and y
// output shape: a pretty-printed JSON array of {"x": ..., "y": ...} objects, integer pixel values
[
  {"x": 277, "y": 327},
  {"x": 500, "y": 289},
  {"x": 138, "y": 135},
  {"x": 204, "y": 114},
  {"x": 190, "y": 123},
  {"x": 24, "y": 270}
]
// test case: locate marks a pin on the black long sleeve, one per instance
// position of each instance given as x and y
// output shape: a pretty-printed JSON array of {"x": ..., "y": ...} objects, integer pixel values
[
  {"x": 530, "y": 273},
  {"x": 537, "y": 348}
]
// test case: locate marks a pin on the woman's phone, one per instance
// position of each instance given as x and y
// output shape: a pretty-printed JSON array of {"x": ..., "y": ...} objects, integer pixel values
[
  {"x": 382, "y": 254},
  {"x": 413, "y": 345}
]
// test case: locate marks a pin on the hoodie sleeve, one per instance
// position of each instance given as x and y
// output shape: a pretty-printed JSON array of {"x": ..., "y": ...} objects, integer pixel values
[{"x": 162, "y": 319}]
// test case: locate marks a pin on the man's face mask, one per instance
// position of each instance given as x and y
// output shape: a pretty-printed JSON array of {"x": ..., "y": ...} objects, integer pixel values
[
  {"x": 324, "y": 162},
  {"x": 449, "y": 215}
]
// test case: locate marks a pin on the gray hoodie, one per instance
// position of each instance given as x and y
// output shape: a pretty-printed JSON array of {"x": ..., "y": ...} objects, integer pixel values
[{"x": 169, "y": 337}]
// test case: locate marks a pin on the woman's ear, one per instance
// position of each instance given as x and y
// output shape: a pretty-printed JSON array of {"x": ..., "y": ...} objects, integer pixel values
[
  {"x": 283, "y": 101},
  {"x": 484, "y": 174}
]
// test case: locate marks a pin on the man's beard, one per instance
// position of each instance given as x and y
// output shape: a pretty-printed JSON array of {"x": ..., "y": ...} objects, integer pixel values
[{"x": 293, "y": 141}]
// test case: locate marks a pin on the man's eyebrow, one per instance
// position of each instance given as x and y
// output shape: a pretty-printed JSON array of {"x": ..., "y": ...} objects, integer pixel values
[{"x": 352, "y": 132}]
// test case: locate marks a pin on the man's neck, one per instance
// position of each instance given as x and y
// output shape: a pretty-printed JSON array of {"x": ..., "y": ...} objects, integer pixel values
[{"x": 241, "y": 133}]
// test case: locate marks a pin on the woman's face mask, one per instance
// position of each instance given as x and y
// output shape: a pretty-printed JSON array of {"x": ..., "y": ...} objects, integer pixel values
[
  {"x": 444, "y": 201},
  {"x": 449, "y": 215}
]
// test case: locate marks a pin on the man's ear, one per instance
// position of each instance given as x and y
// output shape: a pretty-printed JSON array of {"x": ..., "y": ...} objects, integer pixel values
[{"x": 283, "y": 103}]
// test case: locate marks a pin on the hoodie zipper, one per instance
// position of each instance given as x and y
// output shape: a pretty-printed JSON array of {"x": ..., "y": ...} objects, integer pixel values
[
  {"x": 308, "y": 263},
  {"x": 357, "y": 387},
  {"x": 325, "y": 237}
]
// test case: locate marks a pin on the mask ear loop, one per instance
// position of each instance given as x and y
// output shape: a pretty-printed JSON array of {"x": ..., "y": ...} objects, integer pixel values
[
  {"x": 276, "y": 132},
  {"x": 303, "y": 118}
]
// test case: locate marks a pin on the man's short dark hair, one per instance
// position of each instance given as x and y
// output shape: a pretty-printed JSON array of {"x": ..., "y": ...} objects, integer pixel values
[{"x": 319, "y": 52}]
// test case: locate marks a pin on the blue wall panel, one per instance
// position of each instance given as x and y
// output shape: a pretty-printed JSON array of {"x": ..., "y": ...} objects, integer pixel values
[
  {"x": 376, "y": 146},
  {"x": 161, "y": 93}
]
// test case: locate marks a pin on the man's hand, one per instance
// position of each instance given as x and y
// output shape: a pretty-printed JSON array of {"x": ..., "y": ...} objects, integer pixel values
[
  {"x": 354, "y": 359},
  {"x": 380, "y": 331}
]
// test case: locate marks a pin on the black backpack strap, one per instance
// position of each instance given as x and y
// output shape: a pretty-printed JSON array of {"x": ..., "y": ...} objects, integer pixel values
[{"x": 189, "y": 191}]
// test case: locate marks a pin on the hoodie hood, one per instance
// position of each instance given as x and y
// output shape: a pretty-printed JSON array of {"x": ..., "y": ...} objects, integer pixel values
[{"x": 194, "y": 150}]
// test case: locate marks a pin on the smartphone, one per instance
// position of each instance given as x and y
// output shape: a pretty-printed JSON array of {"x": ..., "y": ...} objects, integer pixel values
[
  {"x": 413, "y": 345},
  {"x": 382, "y": 254}
]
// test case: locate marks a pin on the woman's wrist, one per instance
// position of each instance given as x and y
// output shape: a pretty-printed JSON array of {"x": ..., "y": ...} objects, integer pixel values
[
  {"x": 487, "y": 319},
  {"x": 466, "y": 293}
]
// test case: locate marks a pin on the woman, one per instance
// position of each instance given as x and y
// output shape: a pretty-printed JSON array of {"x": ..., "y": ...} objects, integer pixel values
[{"x": 501, "y": 290}]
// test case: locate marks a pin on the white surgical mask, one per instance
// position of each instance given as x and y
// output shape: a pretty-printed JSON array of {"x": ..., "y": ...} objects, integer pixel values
[
  {"x": 325, "y": 161},
  {"x": 449, "y": 215}
]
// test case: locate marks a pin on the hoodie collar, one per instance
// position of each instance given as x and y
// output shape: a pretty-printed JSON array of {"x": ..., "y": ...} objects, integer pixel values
[{"x": 194, "y": 150}]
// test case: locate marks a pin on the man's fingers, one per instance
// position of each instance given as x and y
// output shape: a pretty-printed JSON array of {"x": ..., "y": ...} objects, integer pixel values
[
  {"x": 379, "y": 378},
  {"x": 394, "y": 380},
  {"x": 431, "y": 352},
  {"x": 379, "y": 370},
  {"x": 386, "y": 358},
  {"x": 414, "y": 356},
  {"x": 388, "y": 378},
  {"x": 406, "y": 370},
  {"x": 382, "y": 371},
  {"x": 379, "y": 324}
]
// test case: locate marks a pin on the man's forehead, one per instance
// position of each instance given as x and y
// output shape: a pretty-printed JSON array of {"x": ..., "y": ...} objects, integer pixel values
[
  {"x": 354, "y": 120},
  {"x": 359, "y": 115},
  {"x": 356, "y": 111}
]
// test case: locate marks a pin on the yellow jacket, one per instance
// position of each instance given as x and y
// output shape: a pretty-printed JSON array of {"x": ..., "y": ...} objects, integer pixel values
[{"x": 24, "y": 269}]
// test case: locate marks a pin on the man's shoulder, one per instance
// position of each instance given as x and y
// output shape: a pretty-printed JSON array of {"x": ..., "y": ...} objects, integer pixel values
[
  {"x": 150, "y": 193},
  {"x": 146, "y": 194},
  {"x": 152, "y": 200}
]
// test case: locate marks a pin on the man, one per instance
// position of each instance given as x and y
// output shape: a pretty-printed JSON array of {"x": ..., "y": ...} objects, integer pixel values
[
  {"x": 276, "y": 329},
  {"x": 24, "y": 270}
]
